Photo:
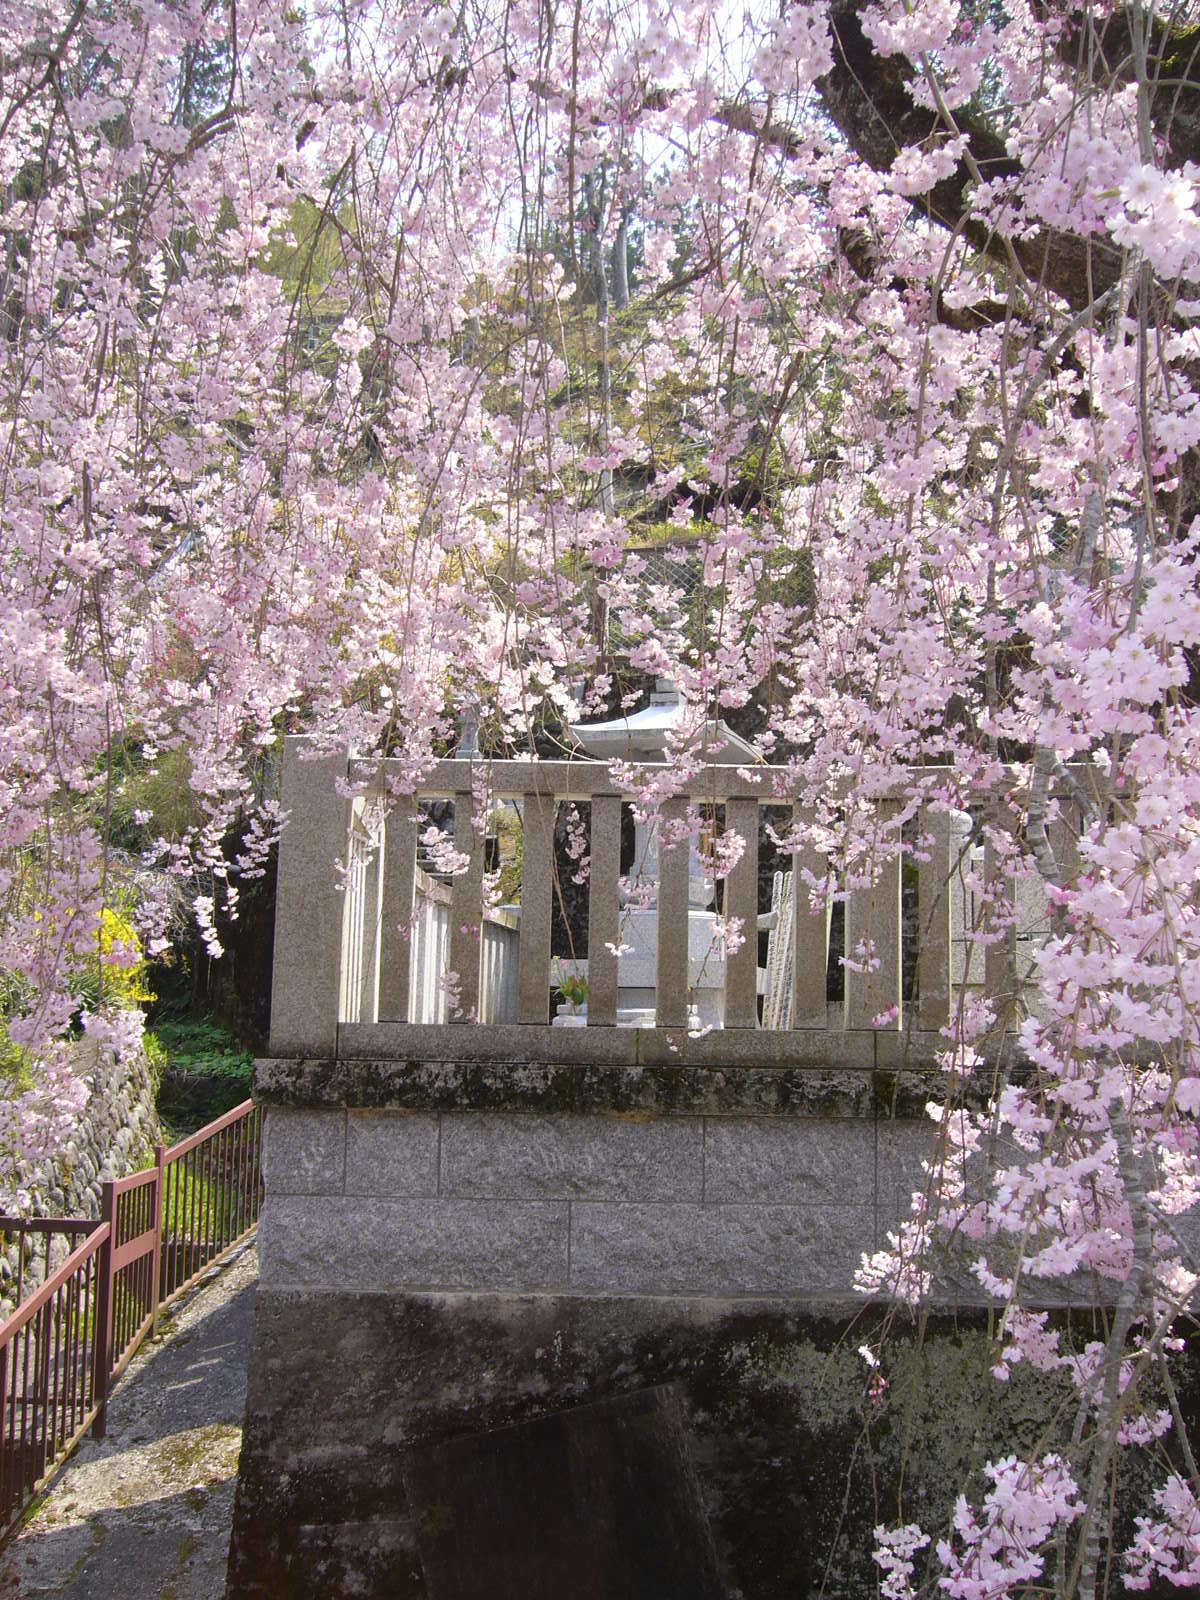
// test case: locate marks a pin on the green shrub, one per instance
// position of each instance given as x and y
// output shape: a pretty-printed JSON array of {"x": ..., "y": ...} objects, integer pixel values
[
  {"x": 201, "y": 1044},
  {"x": 203, "y": 1071},
  {"x": 124, "y": 979}
]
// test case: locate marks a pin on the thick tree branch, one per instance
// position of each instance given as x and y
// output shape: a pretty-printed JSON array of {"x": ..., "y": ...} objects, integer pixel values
[
  {"x": 867, "y": 95},
  {"x": 1173, "y": 57}
]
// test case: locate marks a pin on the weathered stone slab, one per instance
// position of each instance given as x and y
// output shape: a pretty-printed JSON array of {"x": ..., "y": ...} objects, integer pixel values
[
  {"x": 346, "y": 1244},
  {"x": 719, "y": 1250},
  {"x": 901, "y": 1147},
  {"x": 1186, "y": 1230},
  {"x": 816, "y": 1048},
  {"x": 304, "y": 1152},
  {"x": 572, "y": 1157},
  {"x": 786, "y": 1161},
  {"x": 391, "y": 1153},
  {"x": 548, "y": 1087},
  {"x": 309, "y": 901}
]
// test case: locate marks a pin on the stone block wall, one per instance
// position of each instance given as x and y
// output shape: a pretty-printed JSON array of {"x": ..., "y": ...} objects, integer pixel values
[
  {"x": 116, "y": 1132},
  {"x": 365, "y": 1199},
  {"x": 454, "y": 1256}
]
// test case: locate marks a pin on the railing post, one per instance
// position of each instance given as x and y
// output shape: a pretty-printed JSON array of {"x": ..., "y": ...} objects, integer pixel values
[
  {"x": 741, "y": 901},
  {"x": 368, "y": 998},
  {"x": 810, "y": 936},
  {"x": 21, "y": 1261},
  {"x": 160, "y": 1152},
  {"x": 7, "y": 1443},
  {"x": 537, "y": 904},
  {"x": 873, "y": 914},
  {"x": 466, "y": 911},
  {"x": 41, "y": 1397},
  {"x": 396, "y": 908},
  {"x": 350, "y": 970},
  {"x": 671, "y": 967},
  {"x": 933, "y": 922},
  {"x": 309, "y": 904},
  {"x": 999, "y": 921},
  {"x": 102, "y": 1327},
  {"x": 604, "y": 913}
]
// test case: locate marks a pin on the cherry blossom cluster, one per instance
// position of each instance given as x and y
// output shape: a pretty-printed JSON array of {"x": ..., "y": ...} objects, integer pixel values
[{"x": 326, "y": 408}]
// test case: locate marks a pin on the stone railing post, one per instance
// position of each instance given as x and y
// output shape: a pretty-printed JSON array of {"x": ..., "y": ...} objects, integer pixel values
[
  {"x": 934, "y": 891},
  {"x": 309, "y": 904},
  {"x": 102, "y": 1327},
  {"x": 874, "y": 914}
]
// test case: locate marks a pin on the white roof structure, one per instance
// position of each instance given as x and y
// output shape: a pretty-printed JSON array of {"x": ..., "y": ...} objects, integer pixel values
[{"x": 644, "y": 735}]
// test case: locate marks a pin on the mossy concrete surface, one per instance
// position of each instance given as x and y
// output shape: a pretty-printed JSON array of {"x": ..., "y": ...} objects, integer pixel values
[
  {"x": 798, "y": 1454},
  {"x": 144, "y": 1514}
]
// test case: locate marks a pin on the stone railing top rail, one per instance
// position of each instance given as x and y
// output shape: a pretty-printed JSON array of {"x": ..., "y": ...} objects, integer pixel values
[{"x": 583, "y": 779}]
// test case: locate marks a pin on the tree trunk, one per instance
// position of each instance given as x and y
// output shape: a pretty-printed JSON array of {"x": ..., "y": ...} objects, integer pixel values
[{"x": 621, "y": 264}]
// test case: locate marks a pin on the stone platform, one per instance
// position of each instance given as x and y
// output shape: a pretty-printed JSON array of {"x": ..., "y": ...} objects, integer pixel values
[{"x": 473, "y": 1276}]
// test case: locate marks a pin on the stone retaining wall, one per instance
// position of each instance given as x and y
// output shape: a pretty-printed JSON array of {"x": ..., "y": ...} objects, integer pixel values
[
  {"x": 446, "y": 1250},
  {"x": 115, "y": 1133}
]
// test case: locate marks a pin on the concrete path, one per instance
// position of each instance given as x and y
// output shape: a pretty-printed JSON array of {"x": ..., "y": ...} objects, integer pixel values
[{"x": 145, "y": 1513}]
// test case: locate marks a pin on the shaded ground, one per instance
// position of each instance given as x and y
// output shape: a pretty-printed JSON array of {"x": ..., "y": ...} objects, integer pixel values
[{"x": 144, "y": 1514}]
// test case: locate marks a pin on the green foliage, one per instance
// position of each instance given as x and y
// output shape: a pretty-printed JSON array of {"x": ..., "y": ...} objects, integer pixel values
[
  {"x": 155, "y": 1053},
  {"x": 201, "y": 1046},
  {"x": 158, "y": 789},
  {"x": 203, "y": 1071},
  {"x": 188, "y": 1200},
  {"x": 16, "y": 1072},
  {"x": 509, "y": 886},
  {"x": 16, "y": 1065},
  {"x": 571, "y": 985},
  {"x": 309, "y": 253},
  {"x": 199, "y": 1201},
  {"x": 106, "y": 967}
]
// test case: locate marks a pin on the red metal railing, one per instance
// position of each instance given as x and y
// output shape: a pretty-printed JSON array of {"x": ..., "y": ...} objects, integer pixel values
[
  {"x": 61, "y": 1349},
  {"x": 48, "y": 1364},
  {"x": 211, "y": 1188},
  {"x": 38, "y": 1250}
]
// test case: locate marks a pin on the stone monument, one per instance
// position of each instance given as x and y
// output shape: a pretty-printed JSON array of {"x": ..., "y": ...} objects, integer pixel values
[{"x": 646, "y": 736}]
